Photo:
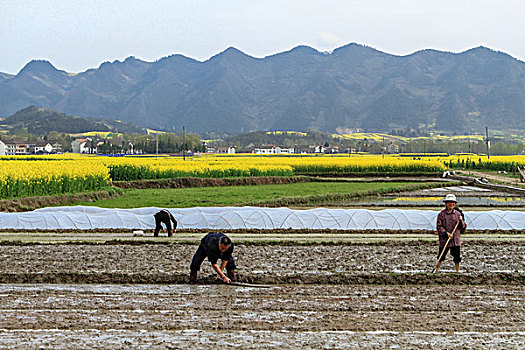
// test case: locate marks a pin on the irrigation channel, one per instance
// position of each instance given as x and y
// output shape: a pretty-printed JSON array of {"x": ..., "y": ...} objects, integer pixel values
[{"x": 327, "y": 290}]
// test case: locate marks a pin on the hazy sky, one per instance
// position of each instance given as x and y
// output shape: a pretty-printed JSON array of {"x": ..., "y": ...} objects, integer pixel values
[{"x": 76, "y": 35}]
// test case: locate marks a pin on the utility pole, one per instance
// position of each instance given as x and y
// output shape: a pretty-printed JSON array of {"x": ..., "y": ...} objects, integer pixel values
[
  {"x": 383, "y": 147},
  {"x": 183, "y": 143},
  {"x": 487, "y": 140},
  {"x": 157, "y": 143}
]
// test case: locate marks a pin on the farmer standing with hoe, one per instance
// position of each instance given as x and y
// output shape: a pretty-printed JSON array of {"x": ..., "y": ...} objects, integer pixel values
[
  {"x": 215, "y": 246},
  {"x": 450, "y": 224}
]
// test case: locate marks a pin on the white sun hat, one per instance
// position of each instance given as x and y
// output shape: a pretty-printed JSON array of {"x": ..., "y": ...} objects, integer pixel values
[{"x": 450, "y": 198}]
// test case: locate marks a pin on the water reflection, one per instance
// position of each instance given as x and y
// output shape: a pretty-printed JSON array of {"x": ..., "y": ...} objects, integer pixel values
[{"x": 437, "y": 201}]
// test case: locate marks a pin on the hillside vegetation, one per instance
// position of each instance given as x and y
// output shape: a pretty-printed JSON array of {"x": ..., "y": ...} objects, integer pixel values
[{"x": 41, "y": 121}]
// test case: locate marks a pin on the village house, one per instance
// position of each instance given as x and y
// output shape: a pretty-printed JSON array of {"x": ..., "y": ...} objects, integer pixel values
[
  {"x": 265, "y": 149},
  {"x": 43, "y": 147},
  {"x": 83, "y": 146},
  {"x": 226, "y": 149},
  {"x": 331, "y": 150},
  {"x": 286, "y": 150},
  {"x": 319, "y": 149},
  {"x": 304, "y": 149},
  {"x": 272, "y": 149},
  {"x": 13, "y": 147},
  {"x": 247, "y": 149},
  {"x": 392, "y": 148}
]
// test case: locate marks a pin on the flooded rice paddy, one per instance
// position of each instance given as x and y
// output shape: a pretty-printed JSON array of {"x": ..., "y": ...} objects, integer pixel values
[
  {"x": 169, "y": 263},
  {"x": 468, "y": 196},
  {"x": 281, "y": 317},
  {"x": 320, "y": 296}
]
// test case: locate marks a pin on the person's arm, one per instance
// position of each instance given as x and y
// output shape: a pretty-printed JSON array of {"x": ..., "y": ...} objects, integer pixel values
[
  {"x": 219, "y": 271},
  {"x": 463, "y": 223},
  {"x": 439, "y": 226},
  {"x": 173, "y": 220},
  {"x": 223, "y": 266}
]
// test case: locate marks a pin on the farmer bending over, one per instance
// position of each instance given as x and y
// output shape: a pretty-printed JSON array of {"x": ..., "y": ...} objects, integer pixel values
[
  {"x": 215, "y": 246},
  {"x": 446, "y": 222},
  {"x": 165, "y": 217}
]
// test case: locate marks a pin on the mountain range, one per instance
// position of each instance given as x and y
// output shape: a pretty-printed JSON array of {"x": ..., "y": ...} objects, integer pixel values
[{"x": 351, "y": 87}]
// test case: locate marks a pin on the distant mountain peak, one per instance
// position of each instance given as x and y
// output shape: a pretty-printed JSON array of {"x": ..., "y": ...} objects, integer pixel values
[
  {"x": 483, "y": 51},
  {"x": 38, "y": 66},
  {"x": 133, "y": 60},
  {"x": 176, "y": 58},
  {"x": 304, "y": 49},
  {"x": 31, "y": 108},
  {"x": 300, "y": 50},
  {"x": 231, "y": 53},
  {"x": 129, "y": 62},
  {"x": 480, "y": 48},
  {"x": 354, "y": 48}
]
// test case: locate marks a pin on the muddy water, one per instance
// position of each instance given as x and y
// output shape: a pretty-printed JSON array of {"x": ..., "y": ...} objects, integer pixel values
[
  {"x": 199, "y": 339},
  {"x": 348, "y": 296},
  {"x": 283, "y": 317},
  {"x": 500, "y": 201},
  {"x": 153, "y": 263}
]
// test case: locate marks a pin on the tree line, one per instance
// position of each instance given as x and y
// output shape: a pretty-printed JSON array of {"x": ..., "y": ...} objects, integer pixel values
[{"x": 176, "y": 143}]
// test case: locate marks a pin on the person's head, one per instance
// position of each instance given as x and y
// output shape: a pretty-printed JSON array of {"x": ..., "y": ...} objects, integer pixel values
[
  {"x": 450, "y": 201},
  {"x": 224, "y": 244}
]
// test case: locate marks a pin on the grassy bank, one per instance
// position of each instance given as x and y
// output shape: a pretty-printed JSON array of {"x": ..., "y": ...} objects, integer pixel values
[
  {"x": 237, "y": 195},
  {"x": 35, "y": 202}
]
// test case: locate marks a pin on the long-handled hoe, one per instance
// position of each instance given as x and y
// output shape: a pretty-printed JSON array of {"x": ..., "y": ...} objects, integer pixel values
[
  {"x": 239, "y": 284},
  {"x": 445, "y": 246}
]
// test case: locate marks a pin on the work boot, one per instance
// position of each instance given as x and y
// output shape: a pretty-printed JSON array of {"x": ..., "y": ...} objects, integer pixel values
[
  {"x": 231, "y": 275},
  {"x": 193, "y": 277},
  {"x": 156, "y": 233},
  {"x": 170, "y": 233}
]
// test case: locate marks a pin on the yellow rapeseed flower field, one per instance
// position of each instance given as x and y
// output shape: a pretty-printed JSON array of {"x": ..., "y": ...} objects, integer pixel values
[
  {"x": 472, "y": 161},
  {"x": 41, "y": 175},
  {"x": 20, "y": 178}
]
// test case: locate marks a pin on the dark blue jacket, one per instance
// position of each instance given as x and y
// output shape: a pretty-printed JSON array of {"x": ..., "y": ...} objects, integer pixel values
[{"x": 210, "y": 245}]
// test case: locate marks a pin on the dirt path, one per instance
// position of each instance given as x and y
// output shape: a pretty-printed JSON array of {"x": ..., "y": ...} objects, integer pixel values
[
  {"x": 493, "y": 177},
  {"x": 282, "y": 317}
]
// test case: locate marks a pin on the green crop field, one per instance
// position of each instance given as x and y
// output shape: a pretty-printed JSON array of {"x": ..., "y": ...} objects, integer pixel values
[{"x": 235, "y": 195}]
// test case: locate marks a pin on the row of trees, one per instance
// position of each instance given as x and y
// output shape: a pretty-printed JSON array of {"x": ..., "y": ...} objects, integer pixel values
[
  {"x": 150, "y": 143},
  {"x": 462, "y": 146},
  {"x": 176, "y": 143},
  {"x": 417, "y": 145},
  {"x": 125, "y": 143}
]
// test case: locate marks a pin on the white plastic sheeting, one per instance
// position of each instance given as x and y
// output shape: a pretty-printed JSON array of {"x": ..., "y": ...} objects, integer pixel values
[{"x": 85, "y": 218}]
